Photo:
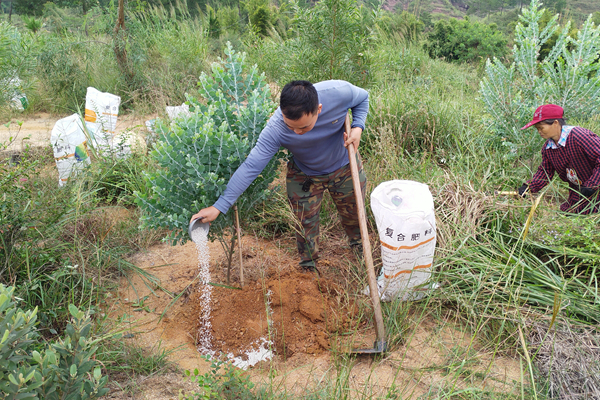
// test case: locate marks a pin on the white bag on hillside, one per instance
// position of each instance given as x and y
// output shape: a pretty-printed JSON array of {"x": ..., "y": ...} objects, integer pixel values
[
  {"x": 405, "y": 219},
  {"x": 101, "y": 112},
  {"x": 178, "y": 111},
  {"x": 70, "y": 147},
  {"x": 18, "y": 99}
]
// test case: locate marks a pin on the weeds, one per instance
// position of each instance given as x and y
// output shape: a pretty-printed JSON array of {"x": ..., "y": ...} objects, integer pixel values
[{"x": 223, "y": 381}]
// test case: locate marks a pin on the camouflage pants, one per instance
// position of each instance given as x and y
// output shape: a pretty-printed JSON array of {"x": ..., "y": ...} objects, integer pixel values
[{"x": 305, "y": 194}]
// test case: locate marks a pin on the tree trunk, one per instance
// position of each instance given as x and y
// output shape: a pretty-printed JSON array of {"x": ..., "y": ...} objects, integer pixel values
[
  {"x": 84, "y": 6},
  {"x": 120, "y": 43},
  {"x": 10, "y": 11},
  {"x": 120, "y": 17}
]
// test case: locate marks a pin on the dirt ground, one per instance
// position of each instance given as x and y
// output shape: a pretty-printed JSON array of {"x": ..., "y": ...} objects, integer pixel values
[
  {"x": 36, "y": 129},
  {"x": 311, "y": 323}
]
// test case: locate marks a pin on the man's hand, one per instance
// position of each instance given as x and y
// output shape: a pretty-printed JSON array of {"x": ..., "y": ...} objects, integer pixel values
[
  {"x": 208, "y": 214},
  {"x": 523, "y": 190},
  {"x": 587, "y": 191},
  {"x": 354, "y": 137}
]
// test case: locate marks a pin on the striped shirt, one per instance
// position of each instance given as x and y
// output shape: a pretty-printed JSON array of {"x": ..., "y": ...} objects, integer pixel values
[{"x": 577, "y": 162}]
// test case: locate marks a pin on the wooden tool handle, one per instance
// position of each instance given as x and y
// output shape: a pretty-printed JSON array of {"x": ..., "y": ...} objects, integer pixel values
[{"x": 364, "y": 234}]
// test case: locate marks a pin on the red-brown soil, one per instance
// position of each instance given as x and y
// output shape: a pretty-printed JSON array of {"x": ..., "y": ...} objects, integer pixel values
[{"x": 302, "y": 308}]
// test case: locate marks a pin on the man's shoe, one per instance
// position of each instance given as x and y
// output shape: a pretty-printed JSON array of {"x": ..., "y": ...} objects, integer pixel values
[{"x": 309, "y": 266}]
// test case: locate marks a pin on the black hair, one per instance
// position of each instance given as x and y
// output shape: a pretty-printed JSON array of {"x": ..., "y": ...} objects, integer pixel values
[
  {"x": 561, "y": 121},
  {"x": 298, "y": 98}
]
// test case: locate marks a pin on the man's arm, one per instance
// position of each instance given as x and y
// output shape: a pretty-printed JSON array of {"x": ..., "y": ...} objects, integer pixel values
[
  {"x": 266, "y": 147},
  {"x": 360, "y": 109},
  {"x": 359, "y": 104}
]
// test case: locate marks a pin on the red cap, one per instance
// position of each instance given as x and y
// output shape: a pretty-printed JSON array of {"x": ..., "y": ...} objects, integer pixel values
[{"x": 547, "y": 111}]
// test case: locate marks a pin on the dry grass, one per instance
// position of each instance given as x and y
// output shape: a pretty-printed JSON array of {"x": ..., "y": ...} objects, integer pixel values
[{"x": 568, "y": 360}]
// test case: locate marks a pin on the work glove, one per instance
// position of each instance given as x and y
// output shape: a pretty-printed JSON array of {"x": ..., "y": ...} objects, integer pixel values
[
  {"x": 587, "y": 191},
  {"x": 523, "y": 190}
]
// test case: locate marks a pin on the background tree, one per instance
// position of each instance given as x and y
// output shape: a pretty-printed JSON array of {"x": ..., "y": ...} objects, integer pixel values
[
  {"x": 214, "y": 26},
  {"x": 404, "y": 25},
  {"x": 28, "y": 7},
  {"x": 333, "y": 41},
  {"x": 465, "y": 41}
]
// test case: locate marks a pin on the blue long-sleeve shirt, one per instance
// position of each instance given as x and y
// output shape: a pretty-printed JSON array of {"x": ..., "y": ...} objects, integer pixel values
[{"x": 317, "y": 152}]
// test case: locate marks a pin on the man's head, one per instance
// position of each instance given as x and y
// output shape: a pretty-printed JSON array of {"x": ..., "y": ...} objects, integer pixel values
[
  {"x": 548, "y": 120},
  {"x": 299, "y": 103}
]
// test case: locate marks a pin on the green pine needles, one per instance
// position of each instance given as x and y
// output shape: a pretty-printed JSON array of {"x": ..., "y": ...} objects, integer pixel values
[
  {"x": 332, "y": 40},
  {"x": 567, "y": 76},
  {"x": 198, "y": 154}
]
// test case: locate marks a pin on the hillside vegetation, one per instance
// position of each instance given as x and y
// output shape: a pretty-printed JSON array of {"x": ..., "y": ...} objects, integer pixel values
[{"x": 447, "y": 100}]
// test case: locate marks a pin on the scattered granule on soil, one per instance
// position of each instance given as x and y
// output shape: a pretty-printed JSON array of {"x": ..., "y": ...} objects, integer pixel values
[{"x": 261, "y": 352}]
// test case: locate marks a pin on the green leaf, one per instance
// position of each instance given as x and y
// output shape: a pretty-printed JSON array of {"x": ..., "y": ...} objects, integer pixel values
[
  {"x": 97, "y": 373},
  {"x": 13, "y": 380},
  {"x": 74, "y": 311},
  {"x": 73, "y": 370}
]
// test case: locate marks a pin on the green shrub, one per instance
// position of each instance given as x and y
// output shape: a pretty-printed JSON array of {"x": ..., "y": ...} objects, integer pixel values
[
  {"x": 169, "y": 52},
  {"x": 114, "y": 179},
  {"x": 465, "y": 41},
  {"x": 17, "y": 62},
  {"x": 34, "y": 25},
  {"x": 332, "y": 40},
  {"x": 404, "y": 25},
  {"x": 28, "y": 7},
  {"x": 423, "y": 103},
  {"x": 15, "y": 210},
  {"x": 197, "y": 155},
  {"x": 63, "y": 73},
  {"x": 62, "y": 370}
]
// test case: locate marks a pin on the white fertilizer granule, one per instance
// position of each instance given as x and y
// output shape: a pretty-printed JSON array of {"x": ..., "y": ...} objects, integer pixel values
[
  {"x": 204, "y": 338},
  {"x": 261, "y": 353},
  {"x": 261, "y": 350}
]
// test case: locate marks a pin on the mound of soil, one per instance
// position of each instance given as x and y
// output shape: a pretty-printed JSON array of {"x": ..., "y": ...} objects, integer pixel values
[{"x": 297, "y": 312}]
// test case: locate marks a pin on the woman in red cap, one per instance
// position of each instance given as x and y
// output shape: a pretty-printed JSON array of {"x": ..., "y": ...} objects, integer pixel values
[{"x": 573, "y": 153}]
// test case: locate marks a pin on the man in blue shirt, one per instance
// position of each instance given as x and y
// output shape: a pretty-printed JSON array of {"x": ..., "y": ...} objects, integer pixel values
[{"x": 310, "y": 124}]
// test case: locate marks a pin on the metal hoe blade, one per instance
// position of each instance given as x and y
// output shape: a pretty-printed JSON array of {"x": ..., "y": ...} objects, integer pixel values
[{"x": 379, "y": 347}]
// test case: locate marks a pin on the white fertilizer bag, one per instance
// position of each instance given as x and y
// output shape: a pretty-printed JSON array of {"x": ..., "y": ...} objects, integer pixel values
[
  {"x": 101, "y": 112},
  {"x": 70, "y": 147},
  {"x": 178, "y": 111},
  {"x": 405, "y": 220},
  {"x": 18, "y": 99}
]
